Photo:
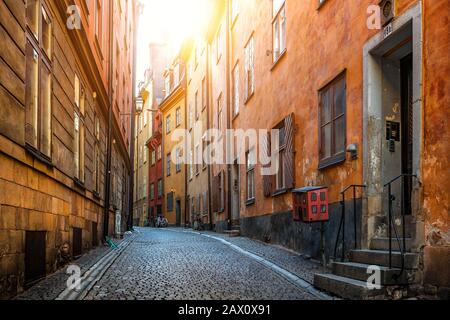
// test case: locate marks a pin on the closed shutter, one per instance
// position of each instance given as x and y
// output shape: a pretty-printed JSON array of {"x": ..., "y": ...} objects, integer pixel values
[
  {"x": 268, "y": 180},
  {"x": 289, "y": 159}
]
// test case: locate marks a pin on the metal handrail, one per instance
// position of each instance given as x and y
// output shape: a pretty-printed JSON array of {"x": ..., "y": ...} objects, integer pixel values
[
  {"x": 392, "y": 224},
  {"x": 342, "y": 222}
]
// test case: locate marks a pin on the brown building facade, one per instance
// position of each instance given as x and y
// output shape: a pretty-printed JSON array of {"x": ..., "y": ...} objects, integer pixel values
[{"x": 58, "y": 74}]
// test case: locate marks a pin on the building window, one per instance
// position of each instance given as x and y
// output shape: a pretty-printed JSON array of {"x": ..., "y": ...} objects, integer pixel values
[
  {"x": 191, "y": 165},
  {"x": 98, "y": 23},
  {"x": 159, "y": 152},
  {"x": 196, "y": 106},
  {"x": 168, "y": 125},
  {"x": 203, "y": 93},
  {"x": 38, "y": 112},
  {"x": 219, "y": 44},
  {"x": 250, "y": 166},
  {"x": 178, "y": 164},
  {"x": 160, "y": 188},
  {"x": 178, "y": 117},
  {"x": 221, "y": 192},
  {"x": 97, "y": 154},
  {"x": 279, "y": 28},
  {"x": 249, "y": 69},
  {"x": 170, "y": 197},
  {"x": 79, "y": 130},
  {"x": 152, "y": 191},
  {"x": 198, "y": 157},
  {"x": 234, "y": 10},
  {"x": 236, "y": 90},
  {"x": 191, "y": 116},
  {"x": 145, "y": 153},
  {"x": 169, "y": 162},
  {"x": 332, "y": 111},
  {"x": 219, "y": 113},
  {"x": 153, "y": 159}
]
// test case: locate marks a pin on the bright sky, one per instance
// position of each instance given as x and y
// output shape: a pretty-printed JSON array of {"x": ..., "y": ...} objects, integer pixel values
[{"x": 167, "y": 21}]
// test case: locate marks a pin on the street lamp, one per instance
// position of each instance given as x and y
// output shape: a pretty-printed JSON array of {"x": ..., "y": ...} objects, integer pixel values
[{"x": 139, "y": 104}]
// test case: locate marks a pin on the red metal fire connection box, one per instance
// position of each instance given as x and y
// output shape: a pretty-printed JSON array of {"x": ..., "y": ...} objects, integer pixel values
[{"x": 310, "y": 204}]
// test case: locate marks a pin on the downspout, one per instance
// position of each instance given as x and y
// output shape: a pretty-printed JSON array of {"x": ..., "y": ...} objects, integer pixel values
[
  {"x": 208, "y": 123},
  {"x": 185, "y": 146},
  {"x": 109, "y": 138},
  {"x": 133, "y": 119},
  {"x": 228, "y": 57}
]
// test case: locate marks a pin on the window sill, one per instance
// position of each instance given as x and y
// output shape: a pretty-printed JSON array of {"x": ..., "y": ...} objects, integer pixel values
[
  {"x": 277, "y": 62},
  {"x": 280, "y": 192},
  {"x": 330, "y": 162},
  {"x": 250, "y": 202},
  {"x": 79, "y": 184},
  {"x": 39, "y": 156},
  {"x": 249, "y": 98}
]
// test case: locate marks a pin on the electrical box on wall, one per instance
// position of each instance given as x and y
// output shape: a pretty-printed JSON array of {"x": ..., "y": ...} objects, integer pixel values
[{"x": 310, "y": 204}]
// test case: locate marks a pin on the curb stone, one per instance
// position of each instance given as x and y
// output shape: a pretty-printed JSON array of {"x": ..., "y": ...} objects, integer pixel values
[{"x": 94, "y": 274}]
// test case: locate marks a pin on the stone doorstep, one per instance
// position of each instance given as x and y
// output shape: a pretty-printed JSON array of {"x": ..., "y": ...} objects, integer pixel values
[
  {"x": 382, "y": 243},
  {"x": 347, "y": 288},
  {"x": 358, "y": 271},
  {"x": 381, "y": 258}
]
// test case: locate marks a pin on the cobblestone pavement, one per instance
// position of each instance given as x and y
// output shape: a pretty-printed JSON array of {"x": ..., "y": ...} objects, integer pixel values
[
  {"x": 292, "y": 261},
  {"x": 165, "y": 264},
  {"x": 50, "y": 287}
]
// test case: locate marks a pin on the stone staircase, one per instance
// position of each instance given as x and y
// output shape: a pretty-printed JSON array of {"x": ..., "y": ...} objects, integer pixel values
[{"x": 349, "y": 279}]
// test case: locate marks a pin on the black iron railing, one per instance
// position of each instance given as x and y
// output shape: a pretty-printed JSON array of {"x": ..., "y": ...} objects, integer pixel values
[
  {"x": 391, "y": 224},
  {"x": 342, "y": 222}
]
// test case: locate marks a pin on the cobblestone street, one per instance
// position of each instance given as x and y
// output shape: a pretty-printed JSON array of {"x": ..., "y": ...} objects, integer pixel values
[{"x": 173, "y": 264}]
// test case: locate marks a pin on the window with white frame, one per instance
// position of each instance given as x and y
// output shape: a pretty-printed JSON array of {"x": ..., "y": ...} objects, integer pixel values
[
  {"x": 79, "y": 130},
  {"x": 236, "y": 90},
  {"x": 279, "y": 28},
  {"x": 249, "y": 68},
  {"x": 250, "y": 166}
]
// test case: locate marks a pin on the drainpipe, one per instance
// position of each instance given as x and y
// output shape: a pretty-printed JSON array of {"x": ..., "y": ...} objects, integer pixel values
[
  {"x": 109, "y": 138},
  {"x": 228, "y": 57},
  {"x": 133, "y": 120},
  {"x": 208, "y": 123}
]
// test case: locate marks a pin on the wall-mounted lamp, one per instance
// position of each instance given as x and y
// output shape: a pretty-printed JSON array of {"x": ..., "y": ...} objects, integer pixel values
[
  {"x": 353, "y": 150},
  {"x": 139, "y": 104}
]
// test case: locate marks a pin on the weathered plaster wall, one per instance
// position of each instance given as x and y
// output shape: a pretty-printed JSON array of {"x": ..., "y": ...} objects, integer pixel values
[{"x": 436, "y": 161}]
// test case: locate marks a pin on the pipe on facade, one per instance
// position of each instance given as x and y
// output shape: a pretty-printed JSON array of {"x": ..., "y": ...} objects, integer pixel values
[
  {"x": 109, "y": 139},
  {"x": 229, "y": 115}
]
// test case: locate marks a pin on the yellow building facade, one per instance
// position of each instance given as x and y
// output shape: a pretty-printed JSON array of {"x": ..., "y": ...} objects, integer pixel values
[{"x": 174, "y": 118}]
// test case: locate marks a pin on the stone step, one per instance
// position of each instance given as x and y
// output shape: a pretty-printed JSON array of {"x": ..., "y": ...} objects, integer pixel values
[
  {"x": 383, "y": 244},
  {"x": 232, "y": 233},
  {"x": 358, "y": 271},
  {"x": 381, "y": 258},
  {"x": 346, "y": 287}
]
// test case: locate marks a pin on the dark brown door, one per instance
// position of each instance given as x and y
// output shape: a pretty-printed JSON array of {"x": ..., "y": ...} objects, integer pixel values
[
  {"x": 94, "y": 234},
  {"x": 407, "y": 129},
  {"x": 34, "y": 257},
  {"x": 77, "y": 242}
]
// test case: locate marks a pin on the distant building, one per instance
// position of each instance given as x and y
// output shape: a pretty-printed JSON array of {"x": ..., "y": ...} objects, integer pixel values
[{"x": 173, "y": 109}]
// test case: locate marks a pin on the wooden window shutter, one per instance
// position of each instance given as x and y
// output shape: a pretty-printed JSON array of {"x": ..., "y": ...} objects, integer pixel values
[
  {"x": 268, "y": 180},
  {"x": 289, "y": 159}
]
